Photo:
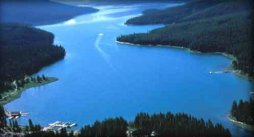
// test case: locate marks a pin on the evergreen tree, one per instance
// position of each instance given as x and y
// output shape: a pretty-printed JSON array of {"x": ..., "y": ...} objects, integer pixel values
[
  {"x": 2, "y": 117},
  {"x": 205, "y": 26},
  {"x": 31, "y": 125},
  {"x": 27, "y": 50},
  {"x": 243, "y": 111}
]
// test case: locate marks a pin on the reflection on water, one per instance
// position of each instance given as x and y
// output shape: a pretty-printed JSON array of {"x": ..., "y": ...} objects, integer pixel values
[{"x": 70, "y": 22}]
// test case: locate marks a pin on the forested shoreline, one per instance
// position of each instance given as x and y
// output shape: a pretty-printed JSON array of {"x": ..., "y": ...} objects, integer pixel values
[
  {"x": 18, "y": 86},
  {"x": 205, "y": 26},
  {"x": 160, "y": 125},
  {"x": 243, "y": 111},
  {"x": 24, "y": 51}
]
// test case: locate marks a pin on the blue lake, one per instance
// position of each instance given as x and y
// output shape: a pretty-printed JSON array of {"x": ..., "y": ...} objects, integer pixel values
[{"x": 99, "y": 78}]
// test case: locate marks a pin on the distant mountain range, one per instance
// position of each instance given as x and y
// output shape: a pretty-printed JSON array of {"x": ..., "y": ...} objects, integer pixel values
[
  {"x": 42, "y": 12},
  {"x": 119, "y": 1},
  {"x": 39, "y": 12}
]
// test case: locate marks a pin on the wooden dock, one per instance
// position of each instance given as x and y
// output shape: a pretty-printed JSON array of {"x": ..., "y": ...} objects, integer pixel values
[
  {"x": 58, "y": 125},
  {"x": 15, "y": 115}
]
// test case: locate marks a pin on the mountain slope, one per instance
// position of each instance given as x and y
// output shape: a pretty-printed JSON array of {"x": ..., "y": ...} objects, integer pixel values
[
  {"x": 195, "y": 10},
  {"x": 39, "y": 12}
]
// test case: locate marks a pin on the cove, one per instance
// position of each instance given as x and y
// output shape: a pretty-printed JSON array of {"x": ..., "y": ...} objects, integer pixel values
[{"x": 99, "y": 78}]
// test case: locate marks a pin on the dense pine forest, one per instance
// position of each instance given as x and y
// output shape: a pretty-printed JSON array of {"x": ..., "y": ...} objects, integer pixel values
[
  {"x": 176, "y": 125},
  {"x": 160, "y": 125},
  {"x": 191, "y": 11},
  {"x": 23, "y": 51},
  {"x": 206, "y": 26},
  {"x": 243, "y": 111},
  {"x": 201, "y": 25}
]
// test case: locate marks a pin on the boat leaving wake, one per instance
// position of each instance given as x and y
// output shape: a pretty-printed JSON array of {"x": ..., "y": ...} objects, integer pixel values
[
  {"x": 97, "y": 43},
  {"x": 221, "y": 72},
  {"x": 105, "y": 56}
]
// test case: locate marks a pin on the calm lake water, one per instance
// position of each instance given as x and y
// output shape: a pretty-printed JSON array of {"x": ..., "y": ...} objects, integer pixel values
[{"x": 99, "y": 78}]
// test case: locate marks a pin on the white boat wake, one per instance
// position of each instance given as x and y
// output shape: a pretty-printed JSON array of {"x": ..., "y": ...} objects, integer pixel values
[{"x": 105, "y": 56}]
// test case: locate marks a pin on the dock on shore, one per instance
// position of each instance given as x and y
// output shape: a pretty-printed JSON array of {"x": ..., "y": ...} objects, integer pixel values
[
  {"x": 58, "y": 125},
  {"x": 15, "y": 115}
]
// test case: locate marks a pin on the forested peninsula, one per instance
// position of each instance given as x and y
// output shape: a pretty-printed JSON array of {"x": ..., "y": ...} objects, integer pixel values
[
  {"x": 24, "y": 50},
  {"x": 202, "y": 25}
]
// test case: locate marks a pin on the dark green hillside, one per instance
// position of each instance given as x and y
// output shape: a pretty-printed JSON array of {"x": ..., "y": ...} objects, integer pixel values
[
  {"x": 215, "y": 27},
  {"x": 160, "y": 125},
  {"x": 39, "y": 12},
  {"x": 112, "y": 127},
  {"x": 23, "y": 51},
  {"x": 195, "y": 10},
  {"x": 176, "y": 125}
]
